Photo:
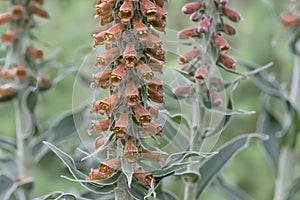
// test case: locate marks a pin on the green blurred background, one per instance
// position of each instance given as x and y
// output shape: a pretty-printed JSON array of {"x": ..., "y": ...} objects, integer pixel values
[{"x": 261, "y": 39}]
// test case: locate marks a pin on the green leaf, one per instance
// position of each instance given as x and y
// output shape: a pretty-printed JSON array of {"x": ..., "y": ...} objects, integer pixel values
[
  {"x": 128, "y": 170},
  {"x": 213, "y": 166},
  {"x": 102, "y": 186},
  {"x": 293, "y": 189},
  {"x": 6, "y": 183},
  {"x": 166, "y": 195},
  {"x": 60, "y": 196},
  {"x": 270, "y": 125},
  {"x": 7, "y": 144},
  {"x": 138, "y": 191},
  {"x": 62, "y": 128},
  {"x": 230, "y": 191}
]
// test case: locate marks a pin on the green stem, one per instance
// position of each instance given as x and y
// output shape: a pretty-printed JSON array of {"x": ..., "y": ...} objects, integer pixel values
[
  {"x": 287, "y": 155},
  {"x": 285, "y": 172},
  {"x": 24, "y": 160},
  {"x": 121, "y": 192},
  {"x": 196, "y": 142}
]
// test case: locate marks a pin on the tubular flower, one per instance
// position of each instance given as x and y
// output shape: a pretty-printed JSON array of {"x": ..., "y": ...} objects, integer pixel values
[
  {"x": 212, "y": 49},
  {"x": 127, "y": 67}
]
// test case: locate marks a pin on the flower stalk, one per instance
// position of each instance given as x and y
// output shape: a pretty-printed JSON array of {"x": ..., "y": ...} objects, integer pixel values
[
  {"x": 16, "y": 77},
  {"x": 132, "y": 53},
  {"x": 210, "y": 52}
]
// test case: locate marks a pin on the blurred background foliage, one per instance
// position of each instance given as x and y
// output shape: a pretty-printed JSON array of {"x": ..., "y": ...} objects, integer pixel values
[{"x": 261, "y": 39}]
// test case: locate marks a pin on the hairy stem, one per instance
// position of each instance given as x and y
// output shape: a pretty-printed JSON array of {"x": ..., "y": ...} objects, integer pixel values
[
  {"x": 288, "y": 153},
  {"x": 24, "y": 160},
  {"x": 196, "y": 142},
  {"x": 121, "y": 192}
]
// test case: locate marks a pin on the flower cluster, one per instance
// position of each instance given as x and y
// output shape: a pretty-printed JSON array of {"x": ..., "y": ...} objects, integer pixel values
[
  {"x": 21, "y": 57},
  {"x": 212, "y": 49},
  {"x": 133, "y": 52}
]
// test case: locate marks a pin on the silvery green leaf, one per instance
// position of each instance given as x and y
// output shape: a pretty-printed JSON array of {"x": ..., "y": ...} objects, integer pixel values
[
  {"x": 60, "y": 196},
  {"x": 213, "y": 166},
  {"x": 102, "y": 186}
]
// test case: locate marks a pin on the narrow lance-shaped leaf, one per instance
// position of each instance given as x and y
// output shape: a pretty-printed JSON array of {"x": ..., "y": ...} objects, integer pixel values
[
  {"x": 270, "y": 125},
  {"x": 233, "y": 193},
  {"x": 213, "y": 166},
  {"x": 102, "y": 186}
]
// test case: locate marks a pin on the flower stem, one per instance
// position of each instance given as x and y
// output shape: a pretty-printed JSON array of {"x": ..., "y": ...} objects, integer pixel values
[
  {"x": 24, "y": 160},
  {"x": 287, "y": 155},
  {"x": 121, "y": 192},
  {"x": 196, "y": 142}
]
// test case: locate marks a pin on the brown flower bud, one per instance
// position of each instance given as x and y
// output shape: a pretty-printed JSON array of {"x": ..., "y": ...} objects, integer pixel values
[
  {"x": 152, "y": 129},
  {"x": 201, "y": 74},
  {"x": 160, "y": 3},
  {"x": 231, "y": 14},
  {"x": 131, "y": 94},
  {"x": 100, "y": 141},
  {"x": 95, "y": 174},
  {"x": 17, "y": 11},
  {"x": 105, "y": 105},
  {"x": 7, "y": 73},
  {"x": 106, "y": 58},
  {"x": 289, "y": 19},
  {"x": 143, "y": 177},
  {"x": 41, "y": 12},
  {"x": 156, "y": 65},
  {"x": 195, "y": 16},
  {"x": 121, "y": 126},
  {"x": 114, "y": 32},
  {"x": 101, "y": 79},
  {"x": 99, "y": 126},
  {"x": 142, "y": 114},
  {"x": 5, "y": 17},
  {"x": 189, "y": 8},
  {"x": 222, "y": 2},
  {"x": 108, "y": 167},
  {"x": 144, "y": 71},
  {"x": 44, "y": 82},
  {"x": 6, "y": 90},
  {"x": 151, "y": 156},
  {"x": 204, "y": 25},
  {"x": 227, "y": 61},
  {"x": 187, "y": 33},
  {"x": 189, "y": 56},
  {"x": 153, "y": 41},
  {"x": 182, "y": 91},
  {"x": 157, "y": 53},
  {"x": 140, "y": 29},
  {"x": 99, "y": 38},
  {"x": 156, "y": 95},
  {"x": 214, "y": 97},
  {"x": 130, "y": 152},
  {"x": 230, "y": 30},
  {"x": 20, "y": 72},
  {"x": 106, "y": 19},
  {"x": 148, "y": 9},
  {"x": 126, "y": 11},
  {"x": 103, "y": 8},
  {"x": 130, "y": 55},
  {"x": 34, "y": 52},
  {"x": 117, "y": 75},
  {"x": 220, "y": 43},
  {"x": 156, "y": 85},
  {"x": 9, "y": 36}
]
